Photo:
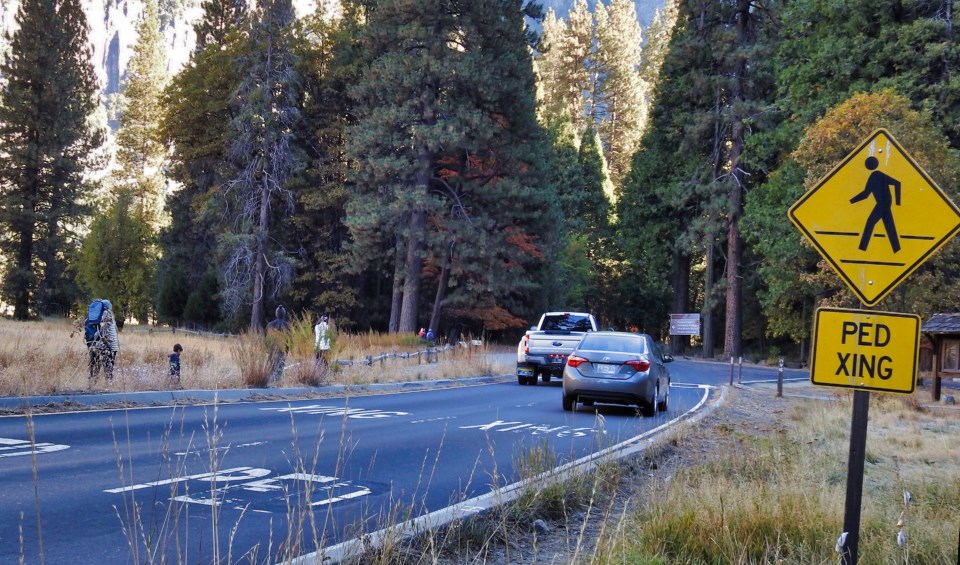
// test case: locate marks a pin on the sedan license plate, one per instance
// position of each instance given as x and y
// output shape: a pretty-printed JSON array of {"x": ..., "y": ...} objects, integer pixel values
[{"x": 606, "y": 369}]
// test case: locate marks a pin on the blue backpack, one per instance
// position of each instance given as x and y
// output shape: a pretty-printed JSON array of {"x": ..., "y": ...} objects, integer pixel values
[{"x": 91, "y": 326}]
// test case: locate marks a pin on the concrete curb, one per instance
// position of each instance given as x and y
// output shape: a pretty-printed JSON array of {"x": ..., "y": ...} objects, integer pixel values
[{"x": 201, "y": 396}]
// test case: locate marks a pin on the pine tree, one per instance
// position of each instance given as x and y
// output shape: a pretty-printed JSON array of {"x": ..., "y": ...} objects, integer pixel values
[
  {"x": 112, "y": 262},
  {"x": 567, "y": 65},
  {"x": 220, "y": 19},
  {"x": 622, "y": 96},
  {"x": 265, "y": 152},
  {"x": 449, "y": 154},
  {"x": 140, "y": 150},
  {"x": 594, "y": 213},
  {"x": 499, "y": 265},
  {"x": 402, "y": 123},
  {"x": 140, "y": 159},
  {"x": 48, "y": 97},
  {"x": 657, "y": 43},
  {"x": 331, "y": 61},
  {"x": 196, "y": 121}
]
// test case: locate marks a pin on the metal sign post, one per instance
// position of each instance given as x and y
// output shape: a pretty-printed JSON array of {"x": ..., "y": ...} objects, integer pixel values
[{"x": 855, "y": 461}]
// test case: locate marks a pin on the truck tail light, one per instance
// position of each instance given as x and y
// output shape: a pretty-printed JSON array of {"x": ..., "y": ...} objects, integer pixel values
[
  {"x": 526, "y": 343},
  {"x": 639, "y": 365},
  {"x": 575, "y": 361}
]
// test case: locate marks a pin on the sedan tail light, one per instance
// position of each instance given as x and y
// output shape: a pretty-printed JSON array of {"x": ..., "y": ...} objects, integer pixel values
[
  {"x": 639, "y": 365},
  {"x": 575, "y": 361}
]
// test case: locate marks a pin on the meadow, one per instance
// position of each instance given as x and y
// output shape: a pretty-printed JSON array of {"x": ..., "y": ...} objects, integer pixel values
[{"x": 50, "y": 357}]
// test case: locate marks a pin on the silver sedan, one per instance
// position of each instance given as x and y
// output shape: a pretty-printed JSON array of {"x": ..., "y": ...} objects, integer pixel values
[{"x": 617, "y": 367}]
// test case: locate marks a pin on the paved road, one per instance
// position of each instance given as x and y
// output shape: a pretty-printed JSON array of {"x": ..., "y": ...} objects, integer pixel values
[{"x": 201, "y": 483}]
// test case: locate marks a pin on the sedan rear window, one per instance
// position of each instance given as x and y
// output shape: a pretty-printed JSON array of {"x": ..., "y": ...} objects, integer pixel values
[
  {"x": 566, "y": 323},
  {"x": 619, "y": 344}
]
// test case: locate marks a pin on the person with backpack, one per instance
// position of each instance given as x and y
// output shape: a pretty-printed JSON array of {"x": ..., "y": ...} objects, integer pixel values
[
  {"x": 277, "y": 331},
  {"x": 100, "y": 332}
]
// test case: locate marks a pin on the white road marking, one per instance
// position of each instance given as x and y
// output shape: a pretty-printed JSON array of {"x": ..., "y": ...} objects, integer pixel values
[
  {"x": 252, "y": 480},
  {"x": 536, "y": 429},
  {"x": 225, "y": 475},
  {"x": 358, "y": 413},
  {"x": 18, "y": 447},
  {"x": 273, "y": 483},
  {"x": 364, "y": 491},
  {"x": 437, "y": 419},
  {"x": 219, "y": 448}
]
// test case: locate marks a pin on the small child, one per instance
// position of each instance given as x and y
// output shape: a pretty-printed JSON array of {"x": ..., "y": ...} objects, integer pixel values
[{"x": 175, "y": 363}]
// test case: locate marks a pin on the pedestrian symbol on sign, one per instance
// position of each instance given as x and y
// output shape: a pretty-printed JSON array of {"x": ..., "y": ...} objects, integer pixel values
[
  {"x": 908, "y": 209},
  {"x": 878, "y": 186}
]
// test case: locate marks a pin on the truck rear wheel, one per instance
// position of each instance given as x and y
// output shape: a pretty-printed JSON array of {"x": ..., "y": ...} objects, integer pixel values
[{"x": 545, "y": 377}]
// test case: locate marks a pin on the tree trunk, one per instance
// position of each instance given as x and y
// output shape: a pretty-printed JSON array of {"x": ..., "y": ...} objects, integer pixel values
[
  {"x": 948, "y": 18},
  {"x": 396, "y": 297},
  {"x": 707, "y": 313},
  {"x": 409, "y": 310},
  {"x": 733, "y": 328},
  {"x": 734, "y": 323},
  {"x": 52, "y": 272},
  {"x": 681, "y": 297},
  {"x": 260, "y": 262},
  {"x": 21, "y": 304},
  {"x": 441, "y": 290},
  {"x": 414, "y": 265}
]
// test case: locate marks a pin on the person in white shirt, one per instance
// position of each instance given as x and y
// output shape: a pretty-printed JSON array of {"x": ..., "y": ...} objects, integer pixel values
[{"x": 321, "y": 333}]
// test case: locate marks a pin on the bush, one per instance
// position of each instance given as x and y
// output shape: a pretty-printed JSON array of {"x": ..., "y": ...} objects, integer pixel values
[{"x": 251, "y": 353}]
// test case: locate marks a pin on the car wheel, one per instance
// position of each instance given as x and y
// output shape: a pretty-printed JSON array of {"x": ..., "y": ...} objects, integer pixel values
[
  {"x": 663, "y": 404},
  {"x": 649, "y": 408},
  {"x": 569, "y": 402}
]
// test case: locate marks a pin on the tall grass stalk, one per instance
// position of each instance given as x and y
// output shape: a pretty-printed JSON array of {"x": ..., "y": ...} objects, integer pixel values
[{"x": 32, "y": 438}]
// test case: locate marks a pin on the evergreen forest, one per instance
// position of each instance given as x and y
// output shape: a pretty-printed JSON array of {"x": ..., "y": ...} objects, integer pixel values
[{"x": 399, "y": 164}]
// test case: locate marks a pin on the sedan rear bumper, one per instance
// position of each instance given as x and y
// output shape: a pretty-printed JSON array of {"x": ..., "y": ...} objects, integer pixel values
[{"x": 638, "y": 389}]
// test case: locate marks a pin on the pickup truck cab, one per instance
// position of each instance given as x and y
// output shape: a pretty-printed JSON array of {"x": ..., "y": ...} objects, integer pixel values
[{"x": 544, "y": 349}]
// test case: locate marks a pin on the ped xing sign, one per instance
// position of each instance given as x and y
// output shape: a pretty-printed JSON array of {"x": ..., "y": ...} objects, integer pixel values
[
  {"x": 876, "y": 217},
  {"x": 865, "y": 350}
]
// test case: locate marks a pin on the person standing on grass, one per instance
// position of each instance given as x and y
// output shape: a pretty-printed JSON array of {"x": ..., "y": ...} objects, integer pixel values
[
  {"x": 175, "y": 363},
  {"x": 321, "y": 333},
  {"x": 277, "y": 331},
  {"x": 103, "y": 351}
]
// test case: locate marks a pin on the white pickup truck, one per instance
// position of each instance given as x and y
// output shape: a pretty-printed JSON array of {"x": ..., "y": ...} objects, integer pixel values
[{"x": 544, "y": 349}]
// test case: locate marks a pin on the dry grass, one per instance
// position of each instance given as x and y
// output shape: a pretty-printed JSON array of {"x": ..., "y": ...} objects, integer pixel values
[
  {"x": 50, "y": 357},
  {"x": 779, "y": 497}
]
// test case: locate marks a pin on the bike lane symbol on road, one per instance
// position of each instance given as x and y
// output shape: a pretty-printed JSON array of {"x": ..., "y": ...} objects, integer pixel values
[{"x": 18, "y": 447}]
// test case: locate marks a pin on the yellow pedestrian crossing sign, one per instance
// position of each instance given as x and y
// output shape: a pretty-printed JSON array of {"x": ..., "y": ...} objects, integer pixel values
[
  {"x": 865, "y": 350},
  {"x": 876, "y": 217}
]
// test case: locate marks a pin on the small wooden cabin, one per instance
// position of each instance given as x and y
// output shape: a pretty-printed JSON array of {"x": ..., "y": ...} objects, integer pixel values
[{"x": 940, "y": 349}]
